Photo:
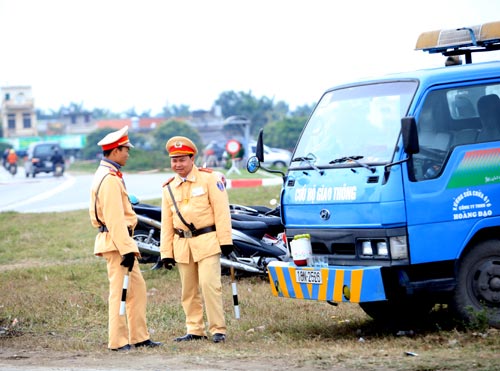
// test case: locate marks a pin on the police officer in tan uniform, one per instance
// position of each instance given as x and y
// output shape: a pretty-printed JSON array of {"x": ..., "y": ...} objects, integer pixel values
[
  {"x": 111, "y": 212},
  {"x": 195, "y": 227}
]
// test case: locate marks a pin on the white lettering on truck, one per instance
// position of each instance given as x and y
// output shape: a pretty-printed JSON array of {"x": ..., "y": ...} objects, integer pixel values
[
  {"x": 465, "y": 207},
  {"x": 344, "y": 193},
  {"x": 313, "y": 194}
]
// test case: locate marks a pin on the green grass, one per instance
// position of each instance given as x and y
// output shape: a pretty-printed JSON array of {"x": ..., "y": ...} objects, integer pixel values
[{"x": 54, "y": 297}]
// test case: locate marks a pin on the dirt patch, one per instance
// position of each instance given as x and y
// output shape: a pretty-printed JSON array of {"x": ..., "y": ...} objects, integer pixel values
[{"x": 144, "y": 359}]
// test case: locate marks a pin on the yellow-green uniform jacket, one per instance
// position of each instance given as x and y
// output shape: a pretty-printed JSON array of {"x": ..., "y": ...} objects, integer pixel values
[
  {"x": 202, "y": 200},
  {"x": 113, "y": 210}
]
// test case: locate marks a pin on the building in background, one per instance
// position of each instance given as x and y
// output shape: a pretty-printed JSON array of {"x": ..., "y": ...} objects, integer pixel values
[
  {"x": 135, "y": 124},
  {"x": 23, "y": 124},
  {"x": 18, "y": 112}
]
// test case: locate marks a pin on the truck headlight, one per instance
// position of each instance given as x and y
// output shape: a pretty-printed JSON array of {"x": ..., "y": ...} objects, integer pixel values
[
  {"x": 399, "y": 247},
  {"x": 367, "y": 248},
  {"x": 382, "y": 248}
]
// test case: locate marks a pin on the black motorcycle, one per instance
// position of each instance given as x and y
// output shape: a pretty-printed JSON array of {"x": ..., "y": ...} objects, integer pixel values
[
  {"x": 257, "y": 233},
  {"x": 12, "y": 168},
  {"x": 258, "y": 238}
]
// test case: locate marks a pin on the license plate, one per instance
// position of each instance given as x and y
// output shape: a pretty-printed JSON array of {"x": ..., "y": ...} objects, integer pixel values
[{"x": 314, "y": 277}]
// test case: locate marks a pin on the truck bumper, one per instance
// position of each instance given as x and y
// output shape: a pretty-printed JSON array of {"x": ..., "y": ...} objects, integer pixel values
[{"x": 334, "y": 283}]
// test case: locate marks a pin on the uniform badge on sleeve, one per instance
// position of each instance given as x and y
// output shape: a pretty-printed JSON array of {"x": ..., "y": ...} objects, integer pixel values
[{"x": 220, "y": 185}]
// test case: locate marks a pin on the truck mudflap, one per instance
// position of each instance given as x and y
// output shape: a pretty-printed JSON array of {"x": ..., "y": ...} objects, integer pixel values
[{"x": 334, "y": 283}]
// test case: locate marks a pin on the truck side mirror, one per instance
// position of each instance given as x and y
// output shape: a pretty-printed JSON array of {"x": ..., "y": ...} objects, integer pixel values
[
  {"x": 259, "y": 150},
  {"x": 253, "y": 164},
  {"x": 410, "y": 135}
]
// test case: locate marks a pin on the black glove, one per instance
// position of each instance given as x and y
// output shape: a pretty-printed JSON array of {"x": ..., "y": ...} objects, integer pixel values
[
  {"x": 128, "y": 260},
  {"x": 168, "y": 263},
  {"x": 226, "y": 249}
]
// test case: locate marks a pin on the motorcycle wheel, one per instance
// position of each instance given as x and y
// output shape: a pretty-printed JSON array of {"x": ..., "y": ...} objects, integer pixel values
[
  {"x": 58, "y": 171},
  {"x": 147, "y": 256}
]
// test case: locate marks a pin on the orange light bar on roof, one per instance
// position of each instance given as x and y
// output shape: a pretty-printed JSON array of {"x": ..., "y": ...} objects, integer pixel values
[{"x": 465, "y": 37}]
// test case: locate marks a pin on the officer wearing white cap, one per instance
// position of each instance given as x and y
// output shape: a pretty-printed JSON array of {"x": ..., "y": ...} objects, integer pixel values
[
  {"x": 195, "y": 227},
  {"x": 111, "y": 212}
]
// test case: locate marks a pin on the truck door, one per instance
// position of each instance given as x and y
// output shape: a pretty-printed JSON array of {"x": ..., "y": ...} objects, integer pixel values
[{"x": 453, "y": 181}]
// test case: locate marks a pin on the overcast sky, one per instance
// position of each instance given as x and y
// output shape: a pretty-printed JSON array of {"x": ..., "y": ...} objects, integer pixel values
[{"x": 144, "y": 54}]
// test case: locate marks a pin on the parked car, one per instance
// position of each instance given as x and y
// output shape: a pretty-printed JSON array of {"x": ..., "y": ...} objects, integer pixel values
[
  {"x": 38, "y": 159},
  {"x": 276, "y": 157}
]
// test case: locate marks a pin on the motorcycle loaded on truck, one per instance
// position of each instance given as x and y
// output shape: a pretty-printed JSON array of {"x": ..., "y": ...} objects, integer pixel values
[{"x": 394, "y": 185}]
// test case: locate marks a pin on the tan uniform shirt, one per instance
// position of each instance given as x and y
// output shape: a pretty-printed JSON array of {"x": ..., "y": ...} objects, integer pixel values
[
  {"x": 202, "y": 200},
  {"x": 113, "y": 210}
]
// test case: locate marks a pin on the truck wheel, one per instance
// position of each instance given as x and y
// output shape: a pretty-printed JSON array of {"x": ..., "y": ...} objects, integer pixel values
[
  {"x": 398, "y": 312},
  {"x": 478, "y": 284},
  {"x": 150, "y": 252}
]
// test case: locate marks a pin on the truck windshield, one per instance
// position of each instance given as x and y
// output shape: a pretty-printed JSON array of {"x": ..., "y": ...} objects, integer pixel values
[{"x": 361, "y": 122}]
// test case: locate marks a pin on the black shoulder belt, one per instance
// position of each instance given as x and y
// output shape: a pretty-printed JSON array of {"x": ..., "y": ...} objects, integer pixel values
[
  {"x": 191, "y": 226},
  {"x": 101, "y": 224}
]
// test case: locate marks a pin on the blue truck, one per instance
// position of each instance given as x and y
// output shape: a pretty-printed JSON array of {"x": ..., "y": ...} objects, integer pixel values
[{"x": 397, "y": 182}]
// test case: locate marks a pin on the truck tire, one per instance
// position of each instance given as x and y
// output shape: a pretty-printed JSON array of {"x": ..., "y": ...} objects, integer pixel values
[{"x": 478, "y": 284}]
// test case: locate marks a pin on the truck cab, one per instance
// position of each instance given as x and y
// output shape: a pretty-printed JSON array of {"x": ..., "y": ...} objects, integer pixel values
[{"x": 396, "y": 180}]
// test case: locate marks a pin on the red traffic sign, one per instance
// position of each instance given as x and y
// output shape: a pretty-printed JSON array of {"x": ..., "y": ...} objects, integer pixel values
[{"x": 233, "y": 147}]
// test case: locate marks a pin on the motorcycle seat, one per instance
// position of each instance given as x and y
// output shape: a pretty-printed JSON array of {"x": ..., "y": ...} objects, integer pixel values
[
  {"x": 270, "y": 221},
  {"x": 248, "y": 225},
  {"x": 256, "y": 228},
  {"x": 150, "y": 211}
]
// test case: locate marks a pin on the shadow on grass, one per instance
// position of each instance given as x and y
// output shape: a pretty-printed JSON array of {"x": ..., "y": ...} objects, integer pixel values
[{"x": 439, "y": 320}]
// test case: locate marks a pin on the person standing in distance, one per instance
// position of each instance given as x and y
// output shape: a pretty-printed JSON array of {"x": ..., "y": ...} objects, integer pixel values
[
  {"x": 195, "y": 227},
  {"x": 11, "y": 158},
  {"x": 111, "y": 212}
]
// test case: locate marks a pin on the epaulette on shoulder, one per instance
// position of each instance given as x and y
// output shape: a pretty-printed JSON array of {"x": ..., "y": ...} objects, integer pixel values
[
  {"x": 206, "y": 169},
  {"x": 117, "y": 173},
  {"x": 168, "y": 181}
]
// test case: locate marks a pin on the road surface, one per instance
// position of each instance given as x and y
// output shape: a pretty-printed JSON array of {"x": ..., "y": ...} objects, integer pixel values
[{"x": 46, "y": 193}]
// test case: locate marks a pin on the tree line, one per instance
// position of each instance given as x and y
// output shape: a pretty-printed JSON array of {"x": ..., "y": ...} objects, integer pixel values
[{"x": 281, "y": 125}]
